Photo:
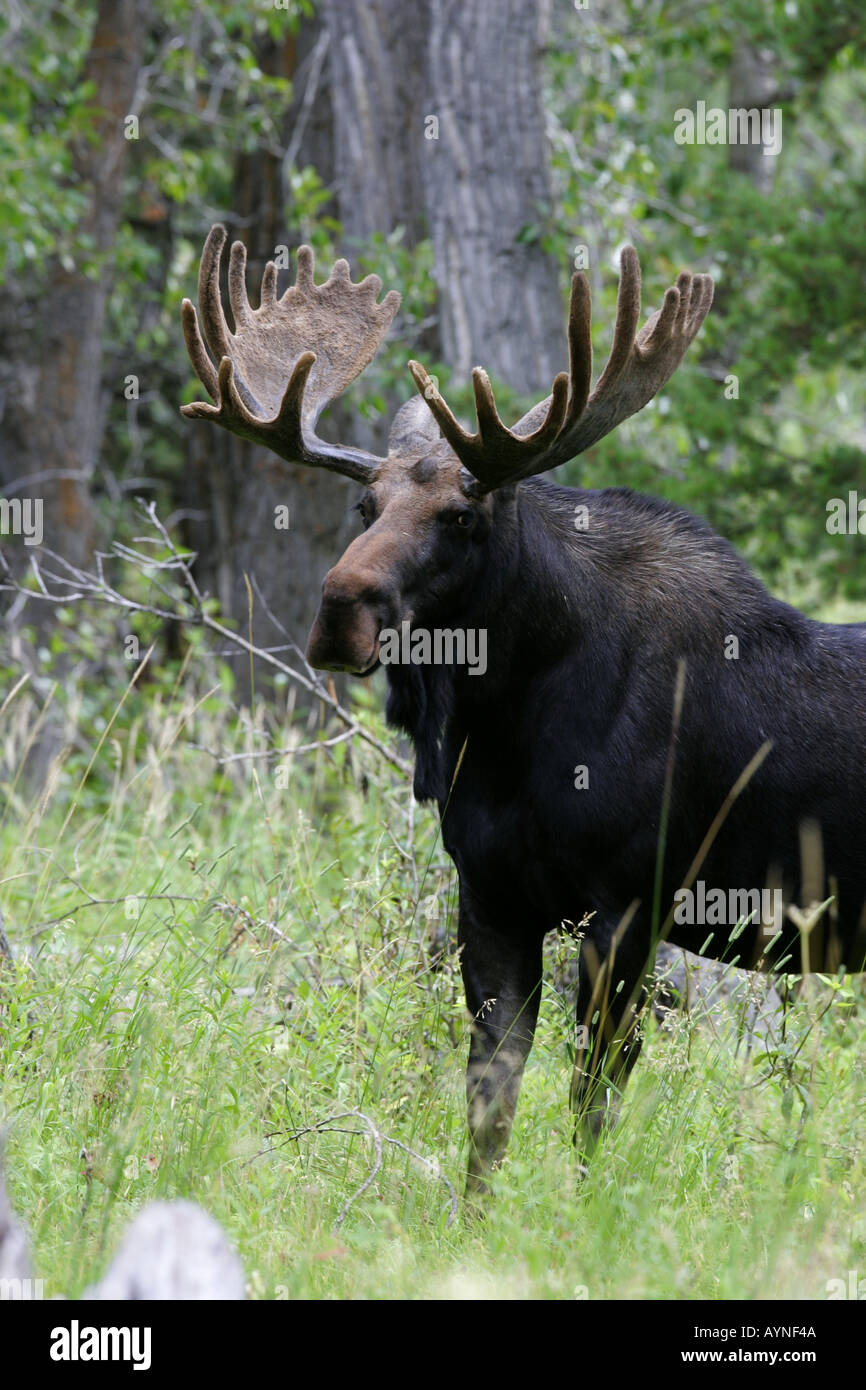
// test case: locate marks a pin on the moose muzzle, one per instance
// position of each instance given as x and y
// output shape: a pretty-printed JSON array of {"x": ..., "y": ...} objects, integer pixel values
[{"x": 345, "y": 635}]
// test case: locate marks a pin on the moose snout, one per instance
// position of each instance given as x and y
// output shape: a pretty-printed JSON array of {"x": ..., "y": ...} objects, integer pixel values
[{"x": 345, "y": 634}]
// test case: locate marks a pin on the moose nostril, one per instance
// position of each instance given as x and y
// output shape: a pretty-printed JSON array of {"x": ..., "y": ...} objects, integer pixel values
[{"x": 373, "y": 598}]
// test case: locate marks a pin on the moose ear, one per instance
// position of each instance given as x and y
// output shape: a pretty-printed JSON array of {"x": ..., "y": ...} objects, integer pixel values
[{"x": 413, "y": 429}]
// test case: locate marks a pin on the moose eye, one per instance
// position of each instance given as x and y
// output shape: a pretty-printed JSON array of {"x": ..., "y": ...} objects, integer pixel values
[
  {"x": 465, "y": 519},
  {"x": 361, "y": 509}
]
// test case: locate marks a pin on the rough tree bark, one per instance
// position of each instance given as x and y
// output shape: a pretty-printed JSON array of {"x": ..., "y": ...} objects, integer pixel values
[
  {"x": 51, "y": 342},
  {"x": 487, "y": 178},
  {"x": 377, "y": 75}
]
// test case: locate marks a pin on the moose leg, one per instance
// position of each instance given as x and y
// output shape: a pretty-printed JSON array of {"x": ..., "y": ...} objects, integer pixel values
[
  {"x": 502, "y": 978},
  {"x": 610, "y": 996}
]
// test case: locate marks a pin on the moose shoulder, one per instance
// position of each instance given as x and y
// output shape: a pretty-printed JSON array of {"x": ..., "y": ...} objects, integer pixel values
[{"x": 655, "y": 746}]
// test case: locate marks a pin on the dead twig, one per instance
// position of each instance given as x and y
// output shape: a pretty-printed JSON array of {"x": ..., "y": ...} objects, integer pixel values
[{"x": 332, "y": 1125}]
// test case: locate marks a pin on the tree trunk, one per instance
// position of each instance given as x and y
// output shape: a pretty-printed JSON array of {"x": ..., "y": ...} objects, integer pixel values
[
  {"x": 487, "y": 181},
  {"x": 378, "y": 59},
  {"x": 50, "y": 387},
  {"x": 753, "y": 86}
]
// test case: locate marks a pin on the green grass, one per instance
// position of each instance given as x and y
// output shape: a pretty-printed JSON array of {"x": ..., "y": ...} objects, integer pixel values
[{"x": 268, "y": 958}]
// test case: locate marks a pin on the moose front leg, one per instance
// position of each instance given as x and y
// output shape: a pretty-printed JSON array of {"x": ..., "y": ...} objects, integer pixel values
[
  {"x": 501, "y": 970},
  {"x": 611, "y": 994}
]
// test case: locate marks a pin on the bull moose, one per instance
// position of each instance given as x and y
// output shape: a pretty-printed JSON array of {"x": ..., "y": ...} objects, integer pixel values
[{"x": 650, "y": 720}]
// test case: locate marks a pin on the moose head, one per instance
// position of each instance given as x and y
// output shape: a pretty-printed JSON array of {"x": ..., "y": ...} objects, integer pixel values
[{"x": 429, "y": 506}]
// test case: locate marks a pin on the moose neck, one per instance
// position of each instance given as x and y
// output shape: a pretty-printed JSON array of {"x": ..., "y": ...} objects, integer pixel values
[
  {"x": 526, "y": 605},
  {"x": 593, "y": 581}
]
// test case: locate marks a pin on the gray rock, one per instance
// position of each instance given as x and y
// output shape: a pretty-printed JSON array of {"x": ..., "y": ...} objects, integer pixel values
[
  {"x": 730, "y": 1000},
  {"x": 173, "y": 1250},
  {"x": 14, "y": 1245}
]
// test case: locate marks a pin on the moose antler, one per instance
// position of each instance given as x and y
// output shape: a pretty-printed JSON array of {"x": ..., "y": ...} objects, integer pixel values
[
  {"x": 287, "y": 359},
  {"x": 570, "y": 419}
]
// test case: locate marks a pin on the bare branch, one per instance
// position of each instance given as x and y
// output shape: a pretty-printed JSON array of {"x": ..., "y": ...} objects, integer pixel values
[
  {"x": 332, "y": 1125},
  {"x": 79, "y": 584}
]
